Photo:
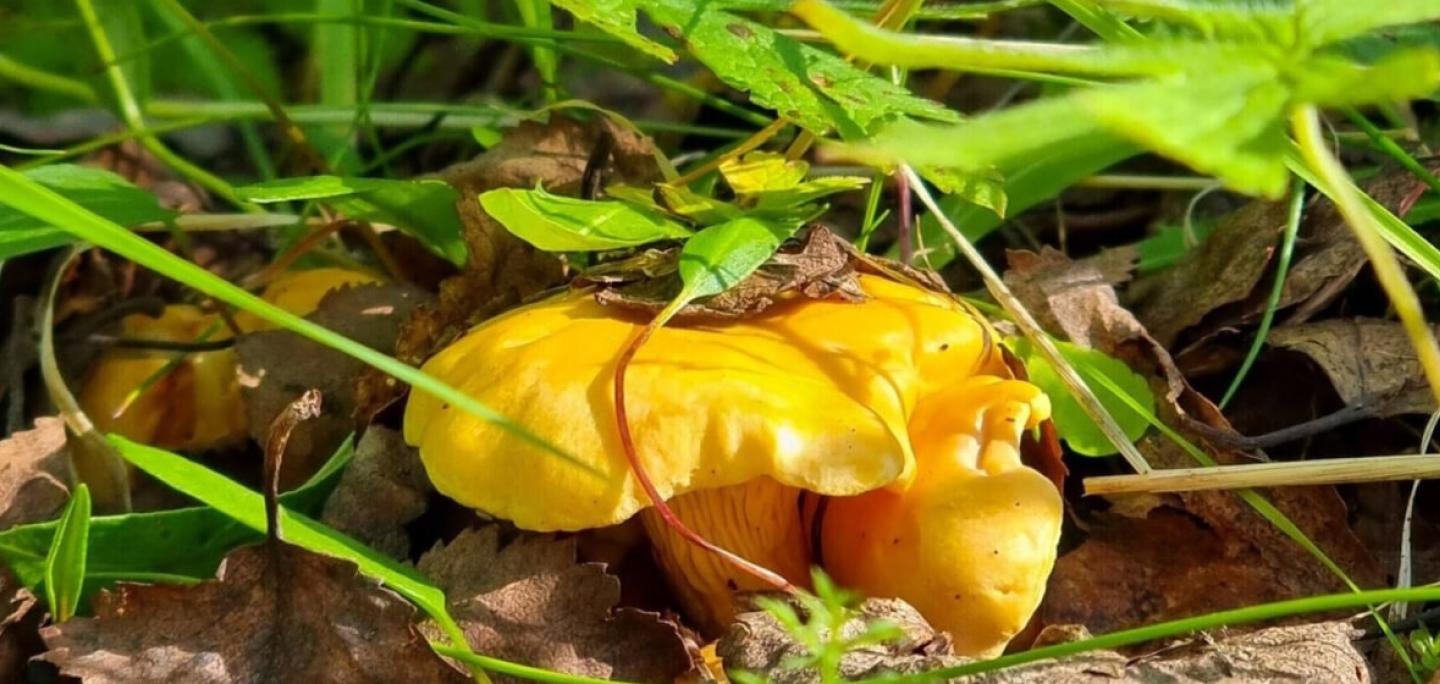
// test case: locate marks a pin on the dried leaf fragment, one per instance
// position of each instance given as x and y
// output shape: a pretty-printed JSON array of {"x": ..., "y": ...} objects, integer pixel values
[
  {"x": 1369, "y": 362},
  {"x": 34, "y": 473},
  {"x": 382, "y": 490},
  {"x": 530, "y": 602}
]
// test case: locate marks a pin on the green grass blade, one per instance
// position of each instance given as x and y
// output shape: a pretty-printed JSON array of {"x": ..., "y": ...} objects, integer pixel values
[
  {"x": 32, "y": 198},
  {"x": 65, "y": 564}
]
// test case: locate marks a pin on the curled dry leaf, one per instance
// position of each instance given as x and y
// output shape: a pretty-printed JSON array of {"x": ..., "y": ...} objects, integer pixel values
[
  {"x": 530, "y": 602},
  {"x": 276, "y": 365},
  {"x": 34, "y": 474},
  {"x": 1370, "y": 362},
  {"x": 19, "y": 627},
  {"x": 274, "y": 613},
  {"x": 382, "y": 490},
  {"x": 1072, "y": 300},
  {"x": 1225, "y": 281}
]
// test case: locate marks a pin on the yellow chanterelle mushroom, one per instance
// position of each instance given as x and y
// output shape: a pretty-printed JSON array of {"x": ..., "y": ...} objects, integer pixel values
[
  {"x": 878, "y": 439},
  {"x": 197, "y": 404}
]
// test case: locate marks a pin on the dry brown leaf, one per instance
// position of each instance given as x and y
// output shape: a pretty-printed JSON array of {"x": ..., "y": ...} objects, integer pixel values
[
  {"x": 19, "y": 628},
  {"x": 1320, "y": 652},
  {"x": 382, "y": 490},
  {"x": 1225, "y": 281},
  {"x": 274, "y": 613},
  {"x": 1368, "y": 361},
  {"x": 34, "y": 474},
  {"x": 276, "y": 365},
  {"x": 530, "y": 602},
  {"x": 1073, "y": 300}
]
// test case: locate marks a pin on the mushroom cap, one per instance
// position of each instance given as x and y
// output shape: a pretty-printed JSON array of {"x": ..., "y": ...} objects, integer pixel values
[
  {"x": 814, "y": 394},
  {"x": 300, "y": 292}
]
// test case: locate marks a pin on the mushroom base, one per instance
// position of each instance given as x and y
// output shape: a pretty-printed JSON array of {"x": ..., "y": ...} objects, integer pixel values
[{"x": 759, "y": 520}]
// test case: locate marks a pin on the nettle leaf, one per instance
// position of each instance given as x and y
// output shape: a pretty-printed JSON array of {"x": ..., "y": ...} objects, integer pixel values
[
  {"x": 424, "y": 209},
  {"x": 722, "y": 255},
  {"x": 1072, "y": 422},
  {"x": 812, "y": 87},
  {"x": 566, "y": 224},
  {"x": 100, "y": 191},
  {"x": 617, "y": 18}
]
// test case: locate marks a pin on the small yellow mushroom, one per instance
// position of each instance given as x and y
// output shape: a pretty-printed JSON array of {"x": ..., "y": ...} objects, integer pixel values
[
  {"x": 893, "y": 423},
  {"x": 196, "y": 405}
]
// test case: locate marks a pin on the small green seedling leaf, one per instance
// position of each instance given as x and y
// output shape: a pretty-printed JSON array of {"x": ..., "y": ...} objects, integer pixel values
[
  {"x": 565, "y": 224},
  {"x": 425, "y": 209},
  {"x": 65, "y": 564},
  {"x": 100, "y": 191},
  {"x": 1071, "y": 421},
  {"x": 762, "y": 171},
  {"x": 699, "y": 208},
  {"x": 722, "y": 255}
]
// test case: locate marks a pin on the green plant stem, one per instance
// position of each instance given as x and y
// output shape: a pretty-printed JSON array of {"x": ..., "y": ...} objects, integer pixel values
[
  {"x": 39, "y": 79},
  {"x": 1305, "y": 122},
  {"x": 130, "y": 113},
  {"x": 1139, "y": 182},
  {"x": 1282, "y": 267},
  {"x": 1174, "y": 628},
  {"x": 1390, "y": 147},
  {"x": 533, "y": 674}
]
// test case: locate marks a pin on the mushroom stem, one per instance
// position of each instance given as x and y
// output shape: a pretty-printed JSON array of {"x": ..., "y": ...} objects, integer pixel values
[{"x": 627, "y": 444}]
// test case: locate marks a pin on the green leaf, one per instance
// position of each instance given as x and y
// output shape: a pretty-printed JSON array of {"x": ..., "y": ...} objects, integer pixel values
[
  {"x": 699, "y": 208},
  {"x": 178, "y": 545},
  {"x": 1327, "y": 21},
  {"x": 1071, "y": 421},
  {"x": 248, "y": 508},
  {"x": 722, "y": 255},
  {"x": 760, "y": 171},
  {"x": 803, "y": 193},
  {"x": 617, "y": 18},
  {"x": 807, "y": 85},
  {"x": 1270, "y": 21},
  {"x": 98, "y": 190},
  {"x": 425, "y": 209},
  {"x": 65, "y": 563},
  {"x": 1331, "y": 81},
  {"x": 981, "y": 188},
  {"x": 565, "y": 224}
]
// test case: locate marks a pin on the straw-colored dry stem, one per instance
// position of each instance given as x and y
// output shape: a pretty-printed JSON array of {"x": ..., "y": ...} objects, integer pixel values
[{"x": 1296, "y": 473}]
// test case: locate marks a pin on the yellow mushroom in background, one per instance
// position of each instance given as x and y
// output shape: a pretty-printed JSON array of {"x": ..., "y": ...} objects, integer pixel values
[
  {"x": 197, "y": 405},
  {"x": 892, "y": 422}
]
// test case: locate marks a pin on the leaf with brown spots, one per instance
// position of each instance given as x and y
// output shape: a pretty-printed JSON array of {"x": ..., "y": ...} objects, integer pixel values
[
  {"x": 34, "y": 474},
  {"x": 1073, "y": 300},
  {"x": 528, "y": 601}
]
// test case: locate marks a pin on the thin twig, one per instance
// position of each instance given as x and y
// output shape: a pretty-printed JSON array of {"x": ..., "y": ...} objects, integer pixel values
[{"x": 1326, "y": 471}]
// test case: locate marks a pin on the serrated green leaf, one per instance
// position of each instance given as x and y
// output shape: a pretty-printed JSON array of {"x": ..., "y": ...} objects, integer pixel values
[
  {"x": 65, "y": 562},
  {"x": 815, "y": 89},
  {"x": 1331, "y": 81},
  {"x": 1072, "y": 422},
  {"x": 425, "y": 209},
  {"x": 100, "y": 191},
  {"x": 617, "y": 18},
  {"x": 984, "y": 188},
  {"x": 722, "y": 255},
  {"x": 565, "y": 224},
  {"x": 183, "y": 544},
  {"x": 1229, "y": 124}
]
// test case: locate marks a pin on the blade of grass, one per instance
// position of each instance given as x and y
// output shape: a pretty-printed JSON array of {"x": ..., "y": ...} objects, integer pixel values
[
  {"x": 1282, "y": 267},
  {"x": 39, "y": 79},
  {"x": 536, "y": 15},
  {"x": 130, "y": 111},
  {"x": 1174, "y": 628},
  {"x": 1393, "y": 149},
  {"x": 32, "y": 198},
  {"x": 335, "y": 62},
  {"x": 65, "y": 564}
]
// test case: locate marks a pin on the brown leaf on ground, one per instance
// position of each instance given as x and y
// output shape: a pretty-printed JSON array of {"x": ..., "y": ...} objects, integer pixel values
[
  {"x": 277, "y": 365},
  {"x": 382, "y": 490},
  {"x": 1225, "y": 281},
  {"x": 1368, "y": 361},
  {"x": 274, "y": 613},
  {"x": 34, "y": 474},
  {"x": 530, "y": 602},
  {"x": 1320, "y": 652},
  {"x": 19, "y": 628},
  {"x": 503, "y": 270},
  {"x": 1073, "y": 300}
]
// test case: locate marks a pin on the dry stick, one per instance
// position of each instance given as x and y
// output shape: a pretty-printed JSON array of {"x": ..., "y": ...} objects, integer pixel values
[
  {"x": 1325, "y": 471},
  {"x": 627, "y": 443},
  {"x": 305, "y": 407},
  {"x": 1031, "y": 329}
]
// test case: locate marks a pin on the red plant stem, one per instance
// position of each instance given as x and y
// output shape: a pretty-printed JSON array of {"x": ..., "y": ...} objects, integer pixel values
[
  {"x": 627, "y": 443},
  {"x": 907, "y": 240}
]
